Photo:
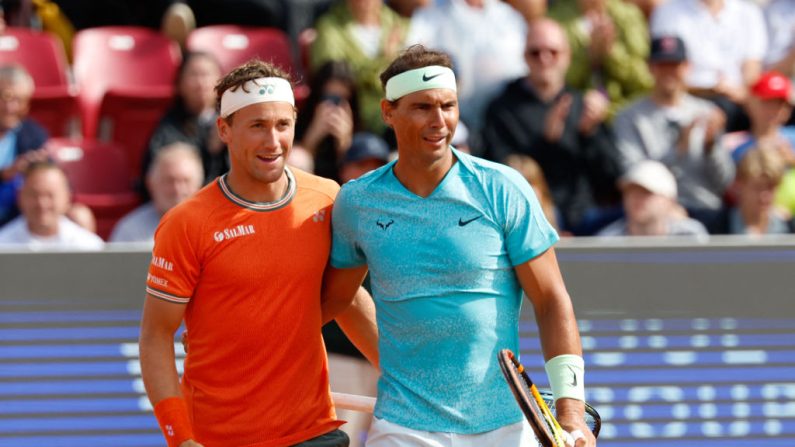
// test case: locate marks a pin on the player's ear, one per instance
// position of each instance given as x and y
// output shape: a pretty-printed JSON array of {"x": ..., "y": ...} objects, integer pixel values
[
  {"x": 386, "y": 111},
  {"x": 222, "y": 126}
]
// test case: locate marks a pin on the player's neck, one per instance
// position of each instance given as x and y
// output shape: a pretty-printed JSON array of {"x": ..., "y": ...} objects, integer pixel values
[
  {"x": 421, "y": 176},
  {"x": 255, "y": 190}
]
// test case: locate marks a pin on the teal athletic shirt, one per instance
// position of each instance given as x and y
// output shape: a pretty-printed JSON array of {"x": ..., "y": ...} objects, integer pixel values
[{"x": 447, "y": 298}]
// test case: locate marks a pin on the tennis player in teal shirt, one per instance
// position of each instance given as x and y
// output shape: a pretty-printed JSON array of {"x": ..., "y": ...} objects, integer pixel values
[{"x": 451, "y": 242}]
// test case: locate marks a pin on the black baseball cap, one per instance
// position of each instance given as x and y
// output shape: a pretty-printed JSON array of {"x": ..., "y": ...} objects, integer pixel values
[
  {"x": 366, "y": 146},
  {"x": 667, "y": 49}
]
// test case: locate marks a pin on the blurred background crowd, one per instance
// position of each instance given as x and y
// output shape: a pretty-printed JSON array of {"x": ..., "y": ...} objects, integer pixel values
[{"x": 628, "y": 117}]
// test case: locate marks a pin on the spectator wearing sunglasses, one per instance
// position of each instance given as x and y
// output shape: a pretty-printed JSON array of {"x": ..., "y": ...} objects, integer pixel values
[{"x": 561, "y": 128}]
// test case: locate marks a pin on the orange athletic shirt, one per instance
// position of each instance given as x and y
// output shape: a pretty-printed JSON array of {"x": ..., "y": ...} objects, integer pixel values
[{"x": 256, "y": 374}]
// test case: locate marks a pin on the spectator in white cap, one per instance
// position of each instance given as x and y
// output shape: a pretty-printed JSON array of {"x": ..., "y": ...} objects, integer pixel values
[{"x": 650, "y": 206}]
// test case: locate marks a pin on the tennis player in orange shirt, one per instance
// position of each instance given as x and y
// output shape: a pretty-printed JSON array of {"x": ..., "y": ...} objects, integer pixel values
[{"x": 242, "y": 263}]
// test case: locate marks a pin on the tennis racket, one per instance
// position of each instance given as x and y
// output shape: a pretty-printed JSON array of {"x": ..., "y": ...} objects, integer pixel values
[
  {"x": 364, "y": 404},
  {"x": 538, "y": 407}
]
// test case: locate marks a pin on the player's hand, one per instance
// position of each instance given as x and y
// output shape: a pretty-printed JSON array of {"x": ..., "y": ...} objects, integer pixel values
[
  {"x": 190, "y": 443},
  {"x": 570, "y": 416},
  {"x": 184, "y": 340}
]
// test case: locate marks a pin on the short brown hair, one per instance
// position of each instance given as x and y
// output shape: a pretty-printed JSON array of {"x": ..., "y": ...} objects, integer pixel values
[
  {"x": 253, "y": 69},
  {"x": 42, "y": 166},
  {"x": 415, "y": 56}
]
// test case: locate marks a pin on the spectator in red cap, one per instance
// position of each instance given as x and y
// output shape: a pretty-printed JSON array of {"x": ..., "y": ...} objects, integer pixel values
[{"x": 769, "y": 106}]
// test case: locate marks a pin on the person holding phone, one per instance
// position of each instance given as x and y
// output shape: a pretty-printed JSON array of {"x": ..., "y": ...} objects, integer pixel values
[{"x": 326, "y": 130}]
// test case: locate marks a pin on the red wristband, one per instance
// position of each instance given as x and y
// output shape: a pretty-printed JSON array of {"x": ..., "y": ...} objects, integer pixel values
[{"x": 172, "y": 415}]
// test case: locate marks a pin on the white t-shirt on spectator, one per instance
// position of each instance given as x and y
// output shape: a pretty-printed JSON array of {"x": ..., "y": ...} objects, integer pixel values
[
  {"x": 486, "y": 45},
  {"x": 717, "y": 46},
  {"x": 70, "y": 237},
  {"x": 780, "y": 17}
]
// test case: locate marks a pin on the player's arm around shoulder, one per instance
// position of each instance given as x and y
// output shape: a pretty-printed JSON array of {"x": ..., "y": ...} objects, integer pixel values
[
  {"x": 542, "y": 282},
  {"x": 345, "y": 300},
  {"x": 339, "y": 289}
]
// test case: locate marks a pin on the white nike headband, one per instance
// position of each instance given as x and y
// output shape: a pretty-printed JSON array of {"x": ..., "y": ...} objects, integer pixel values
[
  {"x": 256, "y": 91},
  {"x": 424, "y": 78}
]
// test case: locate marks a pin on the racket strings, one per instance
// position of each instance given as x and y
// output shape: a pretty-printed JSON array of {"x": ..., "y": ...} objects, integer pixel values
[{"x": 591, "y": 418}]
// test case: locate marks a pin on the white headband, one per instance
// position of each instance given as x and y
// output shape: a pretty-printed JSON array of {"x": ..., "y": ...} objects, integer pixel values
[
  {"x": 254, "y": 92},
  {"x": 424, "y": 78}
]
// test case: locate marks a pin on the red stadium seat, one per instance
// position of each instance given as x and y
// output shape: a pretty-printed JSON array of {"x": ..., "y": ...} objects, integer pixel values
[
  {"x": 233, "y": 45},
  {"x": 129, "y": 117},
  {"x": 97, "y": 172},
  {"x": 54, "y": 104},
  {"x": 126, "y": 78}
]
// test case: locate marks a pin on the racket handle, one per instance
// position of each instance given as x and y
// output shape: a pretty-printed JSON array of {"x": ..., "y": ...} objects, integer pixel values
[{"x": 355, "y": 402}]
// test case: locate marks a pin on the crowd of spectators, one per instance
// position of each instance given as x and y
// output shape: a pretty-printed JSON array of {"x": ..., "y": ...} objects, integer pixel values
[{"x": 629, "y": 117}]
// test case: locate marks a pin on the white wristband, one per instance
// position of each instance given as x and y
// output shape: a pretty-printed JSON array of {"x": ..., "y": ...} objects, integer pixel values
[{"x": 566, "y": 375}]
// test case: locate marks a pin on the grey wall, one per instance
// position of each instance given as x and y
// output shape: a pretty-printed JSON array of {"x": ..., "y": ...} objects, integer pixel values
[{"x": 725, "y": 276}]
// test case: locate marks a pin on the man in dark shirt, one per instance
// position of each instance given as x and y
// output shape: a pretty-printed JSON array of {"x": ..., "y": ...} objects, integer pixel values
[{"x": 562, "y": 129}]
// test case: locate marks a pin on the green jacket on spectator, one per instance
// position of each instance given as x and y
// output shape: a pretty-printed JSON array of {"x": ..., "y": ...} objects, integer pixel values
[
  {"x": 624, "y": 73},
  {"x": 336, "y": 41}
]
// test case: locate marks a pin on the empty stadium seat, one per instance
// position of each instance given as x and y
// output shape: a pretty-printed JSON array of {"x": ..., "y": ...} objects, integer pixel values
[
  {"x": 98, "y": 175},
  {"x": 233, "y": 45},
  {"x": 125, "y": 77},
  {"x": 54, "y": 103}
]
